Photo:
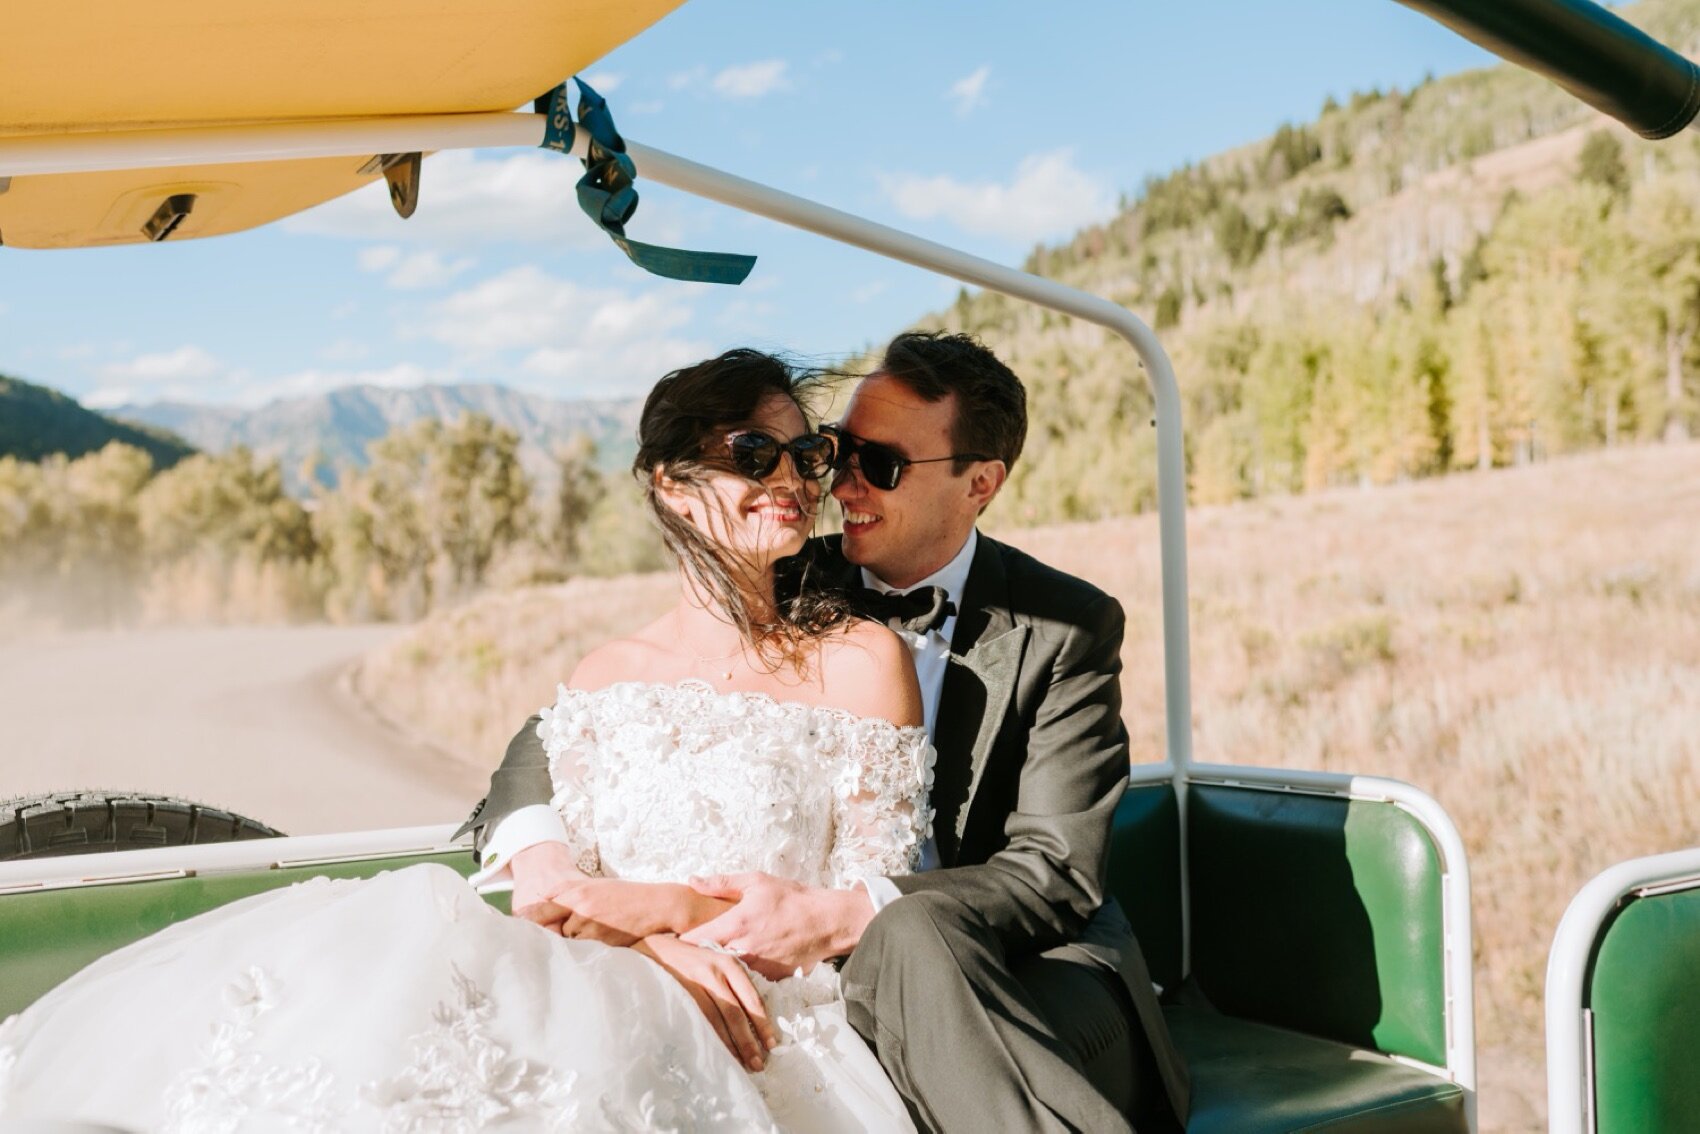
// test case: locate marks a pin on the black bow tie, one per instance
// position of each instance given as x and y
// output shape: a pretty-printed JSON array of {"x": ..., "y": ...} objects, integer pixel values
[{"x": 919, "y": 611}]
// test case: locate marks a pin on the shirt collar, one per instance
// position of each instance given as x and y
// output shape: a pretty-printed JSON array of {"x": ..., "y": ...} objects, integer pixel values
[{"x": 953, "y": 576}]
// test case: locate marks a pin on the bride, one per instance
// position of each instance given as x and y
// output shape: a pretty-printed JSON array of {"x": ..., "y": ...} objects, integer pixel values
[{"x": 736, "y": 732}]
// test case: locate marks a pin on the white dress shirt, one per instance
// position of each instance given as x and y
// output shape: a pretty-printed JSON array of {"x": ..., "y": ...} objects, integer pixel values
[
  {"x": 539, "y": 822},
  {"x": 931, "y": 652}
]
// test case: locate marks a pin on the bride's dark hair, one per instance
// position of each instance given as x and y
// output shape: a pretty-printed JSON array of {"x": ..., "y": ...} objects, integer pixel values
[{"x": 681, "y": 436}]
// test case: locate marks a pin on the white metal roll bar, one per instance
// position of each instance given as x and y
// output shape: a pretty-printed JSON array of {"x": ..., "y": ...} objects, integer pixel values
[{"x": 1570, "y": 1057}]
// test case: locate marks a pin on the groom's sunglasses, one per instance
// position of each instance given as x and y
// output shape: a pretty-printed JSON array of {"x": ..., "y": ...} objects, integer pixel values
[
  {"x": 881, "y": 465},
  {"x": 756, "y": 455}
]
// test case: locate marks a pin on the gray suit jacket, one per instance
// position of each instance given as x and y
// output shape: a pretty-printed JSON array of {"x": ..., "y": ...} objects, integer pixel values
[{"x": 1032, "y": 760}]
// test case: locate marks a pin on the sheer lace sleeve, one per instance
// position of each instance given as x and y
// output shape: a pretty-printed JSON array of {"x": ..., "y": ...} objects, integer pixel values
[
  {"x": 880, "y": 811},
  {"x": 568, "y": 732}
]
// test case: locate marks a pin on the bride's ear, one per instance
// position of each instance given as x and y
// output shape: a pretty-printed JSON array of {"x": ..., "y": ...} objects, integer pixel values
[{"x": 673, "y": 494}]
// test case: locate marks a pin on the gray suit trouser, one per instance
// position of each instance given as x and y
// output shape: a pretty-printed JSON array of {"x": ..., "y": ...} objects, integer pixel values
[{"x": 975, "y": 1043}]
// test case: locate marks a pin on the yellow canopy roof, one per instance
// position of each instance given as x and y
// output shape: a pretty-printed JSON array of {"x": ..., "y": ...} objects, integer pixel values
[{"x": 106, "y": 65}]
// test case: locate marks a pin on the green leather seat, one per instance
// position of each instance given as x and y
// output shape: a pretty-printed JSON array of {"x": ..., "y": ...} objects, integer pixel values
[
  {"x": 1317, "y": 953},
  {"x": 1250, "y": 1078},
  {"x": 46, "y": 935},
  {"x": 1645, "y": 998}
]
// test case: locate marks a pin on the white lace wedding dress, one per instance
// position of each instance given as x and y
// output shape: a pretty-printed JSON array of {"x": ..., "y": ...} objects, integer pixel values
[{"x": 406, "y": 1003}]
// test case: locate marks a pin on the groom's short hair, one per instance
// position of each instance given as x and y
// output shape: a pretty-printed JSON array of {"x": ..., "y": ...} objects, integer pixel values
[{"x": 991, "y": 404}]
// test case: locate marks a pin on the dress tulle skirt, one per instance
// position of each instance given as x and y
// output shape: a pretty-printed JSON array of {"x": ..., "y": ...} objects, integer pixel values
[{"x": 406, "y": 1003}]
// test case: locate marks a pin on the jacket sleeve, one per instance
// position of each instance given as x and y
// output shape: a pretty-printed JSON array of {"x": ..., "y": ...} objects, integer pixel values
[
  {"x": 522, "y": 779},
  {"x": 1044, "y": 885}
]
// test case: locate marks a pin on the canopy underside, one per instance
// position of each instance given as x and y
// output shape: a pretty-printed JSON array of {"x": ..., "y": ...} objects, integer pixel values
[{"x": 115, "y": 65}]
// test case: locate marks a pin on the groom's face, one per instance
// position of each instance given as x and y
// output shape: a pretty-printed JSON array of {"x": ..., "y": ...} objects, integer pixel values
[{"x": 906, "y": 533}]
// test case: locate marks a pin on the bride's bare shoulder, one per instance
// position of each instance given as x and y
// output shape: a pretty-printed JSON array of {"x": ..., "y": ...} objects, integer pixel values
[
  {"x": 640, "y": 656},
  {"x": 868, "y": 670}
]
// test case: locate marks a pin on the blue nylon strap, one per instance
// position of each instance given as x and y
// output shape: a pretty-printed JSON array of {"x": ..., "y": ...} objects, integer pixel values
[
  {"x": 607, "y": 196},
  {"x": 558, "y": 127}
]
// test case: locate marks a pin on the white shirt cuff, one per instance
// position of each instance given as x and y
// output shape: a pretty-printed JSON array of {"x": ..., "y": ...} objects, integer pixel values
[
  {"x": 537, "y": 823},
  {"x": 881, "y": 892}
]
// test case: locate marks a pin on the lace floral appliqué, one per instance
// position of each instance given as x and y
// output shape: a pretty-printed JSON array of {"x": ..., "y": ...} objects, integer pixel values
[
  {"x": 659, "y": 782},
  {"x": 462, "y": 1079},
  {"x": 232, "y": 1084}
]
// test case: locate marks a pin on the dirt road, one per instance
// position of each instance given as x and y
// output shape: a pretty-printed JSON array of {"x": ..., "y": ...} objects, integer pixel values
[{"x": 253, "y": 719}]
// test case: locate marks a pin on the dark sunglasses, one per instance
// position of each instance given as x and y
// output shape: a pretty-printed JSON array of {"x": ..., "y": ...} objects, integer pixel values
[
  {"x": 756, "y": 455},
  {"x": 881, "y": 465}
]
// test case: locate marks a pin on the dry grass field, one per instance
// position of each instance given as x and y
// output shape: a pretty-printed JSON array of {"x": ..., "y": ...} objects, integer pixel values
[{"x": 1524, "y": 644}]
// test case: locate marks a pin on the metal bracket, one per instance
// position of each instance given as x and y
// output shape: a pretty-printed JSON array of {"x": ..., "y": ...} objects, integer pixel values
[
  {"x": 171, "y": 213},
  {"x": 402, "y": 171}
]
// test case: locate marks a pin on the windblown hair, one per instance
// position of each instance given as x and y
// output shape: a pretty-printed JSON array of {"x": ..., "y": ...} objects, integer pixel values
[{"x": 681, "y": 435}]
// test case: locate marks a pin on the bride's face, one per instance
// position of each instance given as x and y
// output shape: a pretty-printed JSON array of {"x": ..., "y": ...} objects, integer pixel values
[{"x": 757, "y": 521}]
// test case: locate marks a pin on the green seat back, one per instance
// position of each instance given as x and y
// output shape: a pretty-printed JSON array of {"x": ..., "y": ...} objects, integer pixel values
[
  {"x": 1145, "y": 875},
  {"x": 1318, "y": 914},
  {"x": 1644, "y": 993},
  {"x": 46, "y": 935}
]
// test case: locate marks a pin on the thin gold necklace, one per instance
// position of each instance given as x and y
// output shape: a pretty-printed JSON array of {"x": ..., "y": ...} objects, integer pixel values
[{"x": 707, "y": 662}]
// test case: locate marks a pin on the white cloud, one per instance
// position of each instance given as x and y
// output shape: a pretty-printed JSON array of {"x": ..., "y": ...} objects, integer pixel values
[
  {"x": 1049, "y": 197},
  {"x": 868, "y": 292},
  {"x": 751, "y": 80},
  {"x": 345, "y": 350},
  {"x": 378, "y": 257},
  {"x": 575, "y": 339},
  {"x": 345, "y": 309},
  {"x": 679, "y": 80},
  {"x": 106, "y": 397},
  {"x": 185, "y": 364},
  {"x": 413, "y": 271},
  {"x": 969, "y": 91},
  {"x": 604, "y": 82}
]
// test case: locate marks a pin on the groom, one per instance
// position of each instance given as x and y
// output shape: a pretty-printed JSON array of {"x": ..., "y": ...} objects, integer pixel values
[{"x": 1000, "y": 986}]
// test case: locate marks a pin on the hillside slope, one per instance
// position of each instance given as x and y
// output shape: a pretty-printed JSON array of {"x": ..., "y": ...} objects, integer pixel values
[
  {"x": 1477, "y": 272},
  {"x": 36, "y": 421}
]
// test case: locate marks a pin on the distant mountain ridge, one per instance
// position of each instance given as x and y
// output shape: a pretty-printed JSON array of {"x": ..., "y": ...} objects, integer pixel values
[
  {"x": 36, "y": 422},
  {"x": 337, "y": 426}
]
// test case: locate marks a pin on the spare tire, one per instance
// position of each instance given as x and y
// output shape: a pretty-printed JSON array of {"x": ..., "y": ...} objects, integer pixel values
[{"x": 90, "y": 822}]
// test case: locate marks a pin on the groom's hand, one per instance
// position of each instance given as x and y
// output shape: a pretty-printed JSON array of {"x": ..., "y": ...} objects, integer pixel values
[{"x": 779, "y": 926}]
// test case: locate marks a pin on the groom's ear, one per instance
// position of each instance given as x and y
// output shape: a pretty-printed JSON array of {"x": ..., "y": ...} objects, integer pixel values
[{"x": 985, "y": 481}]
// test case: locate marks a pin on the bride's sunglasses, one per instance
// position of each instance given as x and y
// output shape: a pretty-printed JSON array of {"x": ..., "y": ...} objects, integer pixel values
[
  {"x": 881, "y": 465},
  {"x": 756, "y": 455}
]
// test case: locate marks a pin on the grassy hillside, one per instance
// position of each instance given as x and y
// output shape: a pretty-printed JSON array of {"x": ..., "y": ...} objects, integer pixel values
[
  {"x": 1523, "y": 644},
  {"x": 1478, "y": 272},
  {"x": 36, "y": 421}
]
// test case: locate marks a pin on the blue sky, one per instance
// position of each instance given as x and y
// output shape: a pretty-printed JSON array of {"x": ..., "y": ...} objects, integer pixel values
[{"x": 992, "y": 126}]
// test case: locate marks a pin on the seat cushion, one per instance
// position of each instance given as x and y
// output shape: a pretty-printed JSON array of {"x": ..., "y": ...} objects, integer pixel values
[{"x": 1251, "y": 1078}]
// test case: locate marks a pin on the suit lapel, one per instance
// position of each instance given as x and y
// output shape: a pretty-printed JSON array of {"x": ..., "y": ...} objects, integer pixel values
[{"x": 985, "y": 659}]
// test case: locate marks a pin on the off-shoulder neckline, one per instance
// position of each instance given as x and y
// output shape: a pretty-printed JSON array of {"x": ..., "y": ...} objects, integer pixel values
[{"x": 756, "y": 695}]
